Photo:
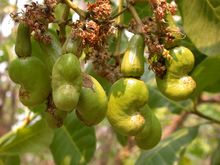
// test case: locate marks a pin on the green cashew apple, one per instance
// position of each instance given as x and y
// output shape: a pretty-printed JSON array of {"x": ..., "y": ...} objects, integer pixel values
[
  {"x": 132, "y": 64},
  {"x": 47, "y": 53},
  {"x": 31, "y": 74},
  {"x": 72, "y": 46},
  {"x": 66, "y": 82},
  {"x": 215, "y": 158},
  {"x": 55, "y": 119},
  {"x": 176, "y": 84},
  {"x": 126, "y": 99},
  {"x": 23, "y": 41},
  {"x": 92, "y": 106},
  {"x": 150, "y": 135}
]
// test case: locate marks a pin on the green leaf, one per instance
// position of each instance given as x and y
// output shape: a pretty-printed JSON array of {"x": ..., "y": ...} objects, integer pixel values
[
  {"x": 157, "y": 99},
  {"x": 32, "y": 138},
  {"x": 201, "y": 22},
  {"x": 74, "y": 143},
  {"x": 210, "y": 109},
  {"x": 123, "y": 43},
  {"x": 206, "y": 75},
  {"x": 166, "y": 153},
  {"x": 143, "y": 9},
  {"x": 215, "y": 159},
  {"x": 10, "y": 160},
  {"x": 199, "y": 57},
  {"x": 58, "y": 11},
  {"x": 123, "y": 140}
]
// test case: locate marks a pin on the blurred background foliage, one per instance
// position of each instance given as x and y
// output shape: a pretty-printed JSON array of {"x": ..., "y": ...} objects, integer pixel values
[{"x": 196, "y": 140}]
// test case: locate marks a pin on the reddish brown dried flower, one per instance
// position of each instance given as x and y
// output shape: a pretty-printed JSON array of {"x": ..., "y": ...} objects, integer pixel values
[
  {"x": 38, "y": 17},
  {"x": 100, "y": 10},
  {"x": 91, "y": 33}
]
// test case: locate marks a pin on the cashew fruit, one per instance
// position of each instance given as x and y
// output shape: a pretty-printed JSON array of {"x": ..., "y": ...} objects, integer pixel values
[
  {"x": 132, "y": 64},
  {"x": 92, "y": 106},
  {"x": 106, "y": 84},
  {"x": 150, "y": 135},
  {"x": 31, "y": 74},
  {"x": 127, "y": 97},
  {"x": 182, "y": 61},
  {"x": 66, "y": 82},
  {"x": 23, "y": 41},
  {"x": 47, "y": 53},
  {"x": 176, "y": 84}
]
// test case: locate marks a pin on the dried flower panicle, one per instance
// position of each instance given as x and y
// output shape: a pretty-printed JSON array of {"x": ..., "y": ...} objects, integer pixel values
[
  {"x": 100, "y": 10},
  {"x": 102, "y": 67},
  {"x": 37, "y": 16},
  {"x": 160, "y": 32},
  {"x": 93, "y": 33}
]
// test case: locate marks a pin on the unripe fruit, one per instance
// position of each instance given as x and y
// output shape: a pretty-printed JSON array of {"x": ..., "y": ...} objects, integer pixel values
[
  {"x": 23, "y": 42},
  {"x": 33, "y": 77},
  {"x": 176, "y": 88},
  {"x": 127, "y": 97},
  {"x": 176, "y": 84},
  {"x": 182, "y": 62},
  {"x": 92, "y": 105},
  {"x": 47, "y": 53},
  {"x": 66, "y": 82},
  {"x": 150, "y": 135},
  {"x": 132, "y": 64}
]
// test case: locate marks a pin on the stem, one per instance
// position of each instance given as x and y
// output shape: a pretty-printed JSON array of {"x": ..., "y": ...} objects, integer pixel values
[
  {"x": 205, "y": 117},
  {"x": 76, "y": 8},
  {"x": 135, "y": 16},
  {"x": 153, "y": 3},
  {"x": 196, "y": 112},
  {"x": 177, "y": 122},
  {"x": 27, "y": 119},
  {"x": 119, "y": 13},
  {"x": 62, "y": 25},
  {"x": 119, "y": 20}
]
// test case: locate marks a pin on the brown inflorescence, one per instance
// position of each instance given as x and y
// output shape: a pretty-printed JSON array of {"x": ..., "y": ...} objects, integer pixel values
[
  {"x": 94, "y": 32},
  {"x": 37, "y": 16},
  {"x": 100, "y": 10},
  {"x": 157, "y": 33}
]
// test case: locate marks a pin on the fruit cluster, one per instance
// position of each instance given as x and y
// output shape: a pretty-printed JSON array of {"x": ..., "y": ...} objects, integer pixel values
[
  {"x": 62, "y": 82},
  {"x": 128, "y": 111},
  {"x": 57, "y": 80}
]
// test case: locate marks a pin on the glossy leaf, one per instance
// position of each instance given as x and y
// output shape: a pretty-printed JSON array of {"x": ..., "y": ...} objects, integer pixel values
[
  {"x": 143, "y": 9},
  {"x": 123, "y": 140},
  {"x": 206, "y": 75},
  {"x": 123, "y": 43},
  {"x": 157, "y": 99},
  {"x": 166, "y": 153},
  {"x": 201, "y": 22},
  {"x": 215, "y": 159},
  {"x": 33, "y": 138},
  {"x": 210, "y": 109},
  {"x": 74, "y": 143},
  {"x": 10, "y": 160},
  {"x": 199, "y": 56}
]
